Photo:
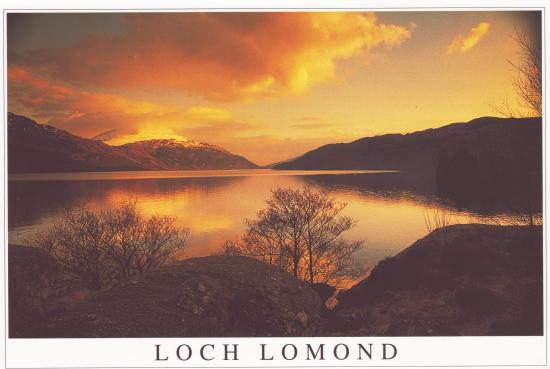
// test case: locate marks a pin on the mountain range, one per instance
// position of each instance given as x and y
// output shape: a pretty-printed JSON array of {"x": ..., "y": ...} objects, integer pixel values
[
  {"x": 487, "y": 144},
  {"x": 34, "y": 147},
  {"x": 509, "y": 138}
]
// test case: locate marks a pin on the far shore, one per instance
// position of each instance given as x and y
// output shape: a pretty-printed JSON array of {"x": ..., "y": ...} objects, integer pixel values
[{"x": 161, "y": 174}]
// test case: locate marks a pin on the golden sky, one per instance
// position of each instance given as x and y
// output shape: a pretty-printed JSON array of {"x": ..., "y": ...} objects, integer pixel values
[{"x": 268, "y": 86}]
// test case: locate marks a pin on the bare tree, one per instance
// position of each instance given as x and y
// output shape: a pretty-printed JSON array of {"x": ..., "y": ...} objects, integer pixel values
[
  {"x": 328, "y": 257},
  {"x": 300, "y": 231},
  {"x": 78, "y": 242},
  {"x": 101, "y": 246},
  {"x": 528, "y": 79},
  {"x": 528, "y": 82},
  {"x": 136, "y": 244}
]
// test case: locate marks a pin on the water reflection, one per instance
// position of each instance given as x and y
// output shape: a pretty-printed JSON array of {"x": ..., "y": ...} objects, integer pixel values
[{"x": 389, "y": 207}]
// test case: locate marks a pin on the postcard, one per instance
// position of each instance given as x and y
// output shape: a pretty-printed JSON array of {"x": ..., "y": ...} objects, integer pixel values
[{"x": 307, "y": 185}]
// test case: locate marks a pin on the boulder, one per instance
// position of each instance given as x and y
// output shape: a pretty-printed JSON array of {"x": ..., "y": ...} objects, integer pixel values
[{"x": 215, "y": 296}]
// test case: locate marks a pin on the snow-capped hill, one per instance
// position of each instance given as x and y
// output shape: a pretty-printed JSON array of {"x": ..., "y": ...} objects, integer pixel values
[
  {"x": 34, "y": 147},
  {"x": 174, "y": 143},
  {"x": 172, "y": 154}
]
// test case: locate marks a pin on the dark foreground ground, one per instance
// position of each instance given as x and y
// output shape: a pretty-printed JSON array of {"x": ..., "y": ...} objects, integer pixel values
[
  {"x": 463, "y": 280},
  {"x": 459, "y": 280}
]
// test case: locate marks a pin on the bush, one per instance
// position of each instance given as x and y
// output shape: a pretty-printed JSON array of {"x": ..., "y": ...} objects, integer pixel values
[{"x": 103, "y": 246}]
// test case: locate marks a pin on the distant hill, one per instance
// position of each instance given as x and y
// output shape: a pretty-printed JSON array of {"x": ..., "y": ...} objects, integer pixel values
[
  {"x": 34, "y": 147},
  {"x": 479, "y": 164},
  {"x": 420, "y": 150},
  {"x": 177, "y": 155}
]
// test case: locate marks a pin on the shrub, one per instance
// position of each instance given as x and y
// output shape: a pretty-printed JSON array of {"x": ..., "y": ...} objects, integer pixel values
[{"x": 103, "y": 246}]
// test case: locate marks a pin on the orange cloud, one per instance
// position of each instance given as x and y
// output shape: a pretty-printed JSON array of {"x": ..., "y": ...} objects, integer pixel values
[
  {"x": 197, "y": 123},
  {"x": 46, "y": 95},
  {"x": 88, "y": 113},
  {"x": 463, "y": 44},
  {"x": 310, "y": 122},
  {"x": 82, "y": 112},
  {"x": 219, "y": 56},
  {"x": 205, "y": 113}
]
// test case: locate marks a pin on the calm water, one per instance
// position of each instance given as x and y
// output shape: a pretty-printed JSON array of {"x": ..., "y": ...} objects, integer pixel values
[{"x": 389, "y": 207}]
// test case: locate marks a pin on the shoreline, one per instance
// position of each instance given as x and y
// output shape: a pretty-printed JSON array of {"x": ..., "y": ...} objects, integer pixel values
[
  {"x": 174, "y": 174},
  {"x": 459, "y": 280}
]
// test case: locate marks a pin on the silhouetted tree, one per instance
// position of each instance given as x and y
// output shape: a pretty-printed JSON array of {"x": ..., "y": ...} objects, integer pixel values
[
  {"x": 101, "y": 246},
  {"x": 300, "y": 231},
  {"x": 528, "y": 82},
  {"x": 528, "y": 79},
  {"x": 77, "y": 242}
]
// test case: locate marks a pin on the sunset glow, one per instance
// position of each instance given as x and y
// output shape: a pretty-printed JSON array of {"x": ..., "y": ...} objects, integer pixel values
[{"x": 268, "y": 86}]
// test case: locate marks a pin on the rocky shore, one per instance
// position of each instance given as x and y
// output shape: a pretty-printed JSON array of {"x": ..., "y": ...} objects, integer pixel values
[{"x": 458, "y": 280}]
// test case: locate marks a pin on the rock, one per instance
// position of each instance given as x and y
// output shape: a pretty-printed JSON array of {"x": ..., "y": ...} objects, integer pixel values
[
  {"x": 215, "y": 296},
  {"x": 459, "y": 280}
]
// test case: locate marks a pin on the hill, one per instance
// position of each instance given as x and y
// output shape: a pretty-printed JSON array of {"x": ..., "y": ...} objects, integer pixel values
[
  {"x": 34, "y": 147},
  {"x": 461, "y": 280},
  {"x": 215, "y": 296},
  {"x": 487, "y": 163},
  {"x": 176, "y": 155},
  {"x": 421, "y": 150}
]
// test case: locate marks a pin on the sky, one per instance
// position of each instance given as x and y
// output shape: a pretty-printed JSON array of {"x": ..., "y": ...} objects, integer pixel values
[{"x": 268, "y": 86}]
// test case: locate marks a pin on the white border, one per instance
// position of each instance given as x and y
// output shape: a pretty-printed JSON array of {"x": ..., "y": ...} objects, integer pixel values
[
  {"x": 412, "y": 351},
  {"x": 415, "y": 352}
]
